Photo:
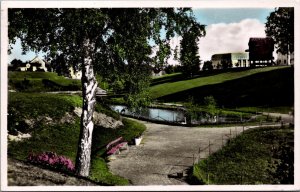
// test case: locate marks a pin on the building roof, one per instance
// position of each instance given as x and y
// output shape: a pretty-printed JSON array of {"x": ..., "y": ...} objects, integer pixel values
[
  {"x": 37, "y": 60},
  {"x": 260, "y": 40}
]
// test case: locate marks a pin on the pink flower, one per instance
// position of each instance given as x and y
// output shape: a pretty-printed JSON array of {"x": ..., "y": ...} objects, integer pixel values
[{"x": 53, "y": 160}]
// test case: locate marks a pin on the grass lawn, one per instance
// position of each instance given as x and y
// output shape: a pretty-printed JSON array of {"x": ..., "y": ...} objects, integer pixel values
[
  {"x": 259, "y": 87},
  {"x": 62, "y": 138},
  {"x": 41, "y": 81},
  {"x": 258, "y": 156}
]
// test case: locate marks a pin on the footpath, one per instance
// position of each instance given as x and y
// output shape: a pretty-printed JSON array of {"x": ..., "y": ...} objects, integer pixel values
[{"x": 167, "y": 152}]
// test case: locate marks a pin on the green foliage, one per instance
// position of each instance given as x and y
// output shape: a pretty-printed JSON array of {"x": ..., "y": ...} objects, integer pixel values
[
  {"x": 210, "y": 104},
  {"x": 137, "y": 101},
  {"x": 189, "y": 57},
  {"x": 252, "y": 158},
  {"x": 280, "y": 26},
  {"x": 207, "y": 66}
]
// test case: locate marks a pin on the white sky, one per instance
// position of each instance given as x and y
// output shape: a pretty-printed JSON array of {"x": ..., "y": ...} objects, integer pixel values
[{"x": 231, "y": 37}]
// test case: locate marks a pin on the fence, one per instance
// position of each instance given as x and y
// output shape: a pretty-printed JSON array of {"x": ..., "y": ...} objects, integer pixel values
[
  {"x": 214, "y": 145},
  {"x": 206, "y": 150}
]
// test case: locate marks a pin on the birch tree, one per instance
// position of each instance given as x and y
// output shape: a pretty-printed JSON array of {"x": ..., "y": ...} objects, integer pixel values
[{"x": 114, "y": 42}]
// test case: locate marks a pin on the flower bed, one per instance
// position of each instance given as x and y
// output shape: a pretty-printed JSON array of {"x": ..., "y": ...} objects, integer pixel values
[{"x": 51, "y": 159}]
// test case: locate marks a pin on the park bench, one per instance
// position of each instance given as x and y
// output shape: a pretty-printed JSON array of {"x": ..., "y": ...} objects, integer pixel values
[{"x": 114, "y": 146}]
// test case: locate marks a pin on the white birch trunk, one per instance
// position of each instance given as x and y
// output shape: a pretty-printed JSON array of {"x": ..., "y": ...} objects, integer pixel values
[{"x": 89, "y": 85}]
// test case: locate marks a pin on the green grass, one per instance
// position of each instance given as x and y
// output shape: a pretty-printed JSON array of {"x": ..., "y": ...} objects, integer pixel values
[
  {"x": 259, "y": 87},
  {"x": 101, "y": 137},
  {"x": 259, "y": 156},
  {"x": 41, "y": 81},
  {"x": 60, "y": 138},
  {"x": 33, "y": 75},
  {"x": 173, "y": 87},
  {"x": 278, "y": 109},
  {"x": 63, "y": 138}
]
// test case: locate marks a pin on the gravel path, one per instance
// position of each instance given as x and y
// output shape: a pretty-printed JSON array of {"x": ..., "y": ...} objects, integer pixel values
[{"x": 167, "y": 150}]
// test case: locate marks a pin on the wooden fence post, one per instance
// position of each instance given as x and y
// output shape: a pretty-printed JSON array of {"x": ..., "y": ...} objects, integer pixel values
[
  {"x": 193, "y": 159},
  {"x": 222, "y": 141},
  {"x": 208, "y": 147},
  {"x": 235, "y": 132}
]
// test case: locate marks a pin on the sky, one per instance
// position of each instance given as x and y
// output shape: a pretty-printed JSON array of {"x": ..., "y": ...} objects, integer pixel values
[{"x": 227, "y": 30}]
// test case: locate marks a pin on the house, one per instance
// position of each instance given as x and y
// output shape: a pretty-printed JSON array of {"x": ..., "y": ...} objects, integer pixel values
[
  {"x": 75, "y": 74},
  {"x": 35, "y": 64},
  {"x": 230, "y": 60},
  {"x": 261, "y": 51},
  {"x": 285, "y": 59}
]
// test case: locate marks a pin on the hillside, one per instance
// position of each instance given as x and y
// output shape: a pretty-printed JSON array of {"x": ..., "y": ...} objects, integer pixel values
[
  {"x": 269, "y": 86},
  {"x": 24, "y": 174},
  {"x": 40, "y": 122},
  {"x": 41, "y": 81},
  {"x": 258, "y": 156}
]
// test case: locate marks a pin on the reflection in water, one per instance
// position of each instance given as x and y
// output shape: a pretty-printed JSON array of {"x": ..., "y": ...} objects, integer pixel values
[{"x": 153, "y": 113}]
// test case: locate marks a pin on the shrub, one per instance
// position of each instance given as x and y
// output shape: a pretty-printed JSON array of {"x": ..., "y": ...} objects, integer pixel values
[{"x": 52, "y": 160}]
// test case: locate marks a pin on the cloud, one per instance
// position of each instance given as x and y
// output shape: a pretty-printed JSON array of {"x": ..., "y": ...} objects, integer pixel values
[{"x": 232, "y": 37}]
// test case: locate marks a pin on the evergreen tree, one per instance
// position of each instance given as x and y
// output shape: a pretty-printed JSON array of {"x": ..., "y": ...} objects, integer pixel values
[{"x": 189, "y": 56}]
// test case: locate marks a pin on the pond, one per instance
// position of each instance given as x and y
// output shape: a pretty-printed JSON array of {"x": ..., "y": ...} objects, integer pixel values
[
  {"x": 177, "y": 116},
  {"x": 153, "y": 113}
]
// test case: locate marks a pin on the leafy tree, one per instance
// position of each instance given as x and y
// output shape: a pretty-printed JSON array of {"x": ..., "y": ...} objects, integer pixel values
[
  {"x": 15, "y": 64},
  {"x": 280, "y": 26},
  {"x": 162, "y": 56},
  {"x": 189, "y": 57},
  {"x": 210, "y": 104},
  {"x": 226, "y": 64},
  {"x": 176, "y": 53},
  {"x": 114, "y": 42},
  {"x": 207, "y": 66}
]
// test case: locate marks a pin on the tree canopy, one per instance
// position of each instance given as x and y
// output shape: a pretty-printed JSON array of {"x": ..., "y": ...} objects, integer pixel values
[
  {"x": 113, "y": 41},
  {"x": 280, "y": 26},
  {"x": 189, "y": 56}
]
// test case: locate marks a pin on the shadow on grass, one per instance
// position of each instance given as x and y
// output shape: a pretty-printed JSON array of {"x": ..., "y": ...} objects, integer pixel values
[
  {"x": 271, "y": 88},
  {"x": 181, "y": 77}
]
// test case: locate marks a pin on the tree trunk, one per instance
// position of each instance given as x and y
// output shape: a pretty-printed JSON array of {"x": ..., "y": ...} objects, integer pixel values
[{"x": 89, "y": 85}]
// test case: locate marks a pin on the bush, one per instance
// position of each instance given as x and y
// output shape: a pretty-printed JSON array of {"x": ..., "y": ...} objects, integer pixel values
[{"x": 52, "y": 160}]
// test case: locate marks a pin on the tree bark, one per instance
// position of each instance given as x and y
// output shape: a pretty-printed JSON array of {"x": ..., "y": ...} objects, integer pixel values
[{"x": 89, "y": 85}]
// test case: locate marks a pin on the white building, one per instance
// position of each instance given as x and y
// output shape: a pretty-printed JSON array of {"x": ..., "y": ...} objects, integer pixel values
[
  {"x": 239, "y": 59},
  {"x": 75, "y": 74},
  {"x": 285, "y": 59},
  {"x": 35, "y": 64}
]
